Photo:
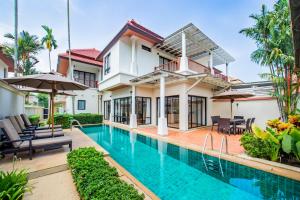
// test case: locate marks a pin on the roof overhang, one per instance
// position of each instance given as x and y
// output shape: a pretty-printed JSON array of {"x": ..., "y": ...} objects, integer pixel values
[
  {"x": 295, "y": 18},
  {"x": 198, "y": 45},
  {"x": 173, "y": 77}
]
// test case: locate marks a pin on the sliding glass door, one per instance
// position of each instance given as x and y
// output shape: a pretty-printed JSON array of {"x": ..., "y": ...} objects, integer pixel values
[
  {"x": 197, "y": 111},
  {"x": 143, "y": 110},
  {"x": 122, "y": 110},
  {"x": 171, "y": 112},
  {"x": 106, "y": 109}
]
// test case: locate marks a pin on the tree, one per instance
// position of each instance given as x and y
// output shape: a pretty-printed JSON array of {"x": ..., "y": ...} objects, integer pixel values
[
  {"x": 43, "y": 100},
  {"x": 272, "y": 34},
  {"x": 28, "y": 47},
  {"x": 49, "y": 41}
]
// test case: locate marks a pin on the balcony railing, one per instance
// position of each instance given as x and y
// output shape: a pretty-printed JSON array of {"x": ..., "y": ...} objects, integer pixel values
[
  {"x": 222, "y": 76},
  {"x": 170, "y": 66},
  {"x": 197, "y": 67}
]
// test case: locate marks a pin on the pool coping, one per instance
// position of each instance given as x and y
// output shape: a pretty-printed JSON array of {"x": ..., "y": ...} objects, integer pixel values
[
  {"x": 122, "y": 170},
  {"x": 280, "y": 169}
]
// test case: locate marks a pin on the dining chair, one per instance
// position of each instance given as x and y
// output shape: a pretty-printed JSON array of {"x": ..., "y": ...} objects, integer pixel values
[
  {"x": 224, "y": 125},
  {"x": 244, "y": 127},
  {"x": 215, "y": 121}
]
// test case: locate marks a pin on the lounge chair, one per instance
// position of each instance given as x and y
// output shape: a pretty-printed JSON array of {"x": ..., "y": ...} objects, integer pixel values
[
  {"x": 17, "y": 144},
  {"x": 35, "y": 133},
  {"x": 28, "y": 124}
]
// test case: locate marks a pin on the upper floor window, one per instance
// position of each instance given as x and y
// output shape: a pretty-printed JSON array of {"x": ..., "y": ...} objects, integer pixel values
[
  {"x": 146, "y": 48},
  {"x": 5, "y": 72},
  {"x": 163, "y": 60},
  {"x": 86, "y": 78},
  {"x": 107, "y": 64}
]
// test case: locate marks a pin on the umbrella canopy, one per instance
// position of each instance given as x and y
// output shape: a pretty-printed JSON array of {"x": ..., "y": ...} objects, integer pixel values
[
  {"x": 232, "y": 95},
  {"x": 46, "y": 91},
  {"x": 46, "y": 81},
  {"x": 49, "y": 81}
]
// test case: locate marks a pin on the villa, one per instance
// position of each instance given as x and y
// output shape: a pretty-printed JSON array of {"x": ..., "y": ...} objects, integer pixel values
[{"x": 174, "y": 75}]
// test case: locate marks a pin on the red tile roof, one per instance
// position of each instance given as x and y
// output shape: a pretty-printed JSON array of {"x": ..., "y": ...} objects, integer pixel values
[
  {"x": 7, "y": 60},
  {"x": 132, "y": 27},
  {"x": 83, "y": 55}
]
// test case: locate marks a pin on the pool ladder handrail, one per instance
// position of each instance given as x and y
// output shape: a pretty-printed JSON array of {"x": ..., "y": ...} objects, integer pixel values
[
  {"x": 205, "y": 142},
  {"x": 77, "y": 122},
  {"x": 224, "y": 139}
]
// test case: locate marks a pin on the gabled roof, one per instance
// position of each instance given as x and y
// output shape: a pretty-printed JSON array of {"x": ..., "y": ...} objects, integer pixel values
[
  {"x": 7, "y": 60},
  {"x": 87, "y": 56},
  {"x": 133, "y": 28}
]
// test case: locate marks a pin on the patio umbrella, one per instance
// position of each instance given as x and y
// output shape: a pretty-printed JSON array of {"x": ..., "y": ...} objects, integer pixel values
[
  {"x": 232, "y": 95},
  {"x": 49, "y": 81}
]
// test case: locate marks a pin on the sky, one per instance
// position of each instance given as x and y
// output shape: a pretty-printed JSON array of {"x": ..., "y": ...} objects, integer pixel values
[{"x": 95, "y": 22}]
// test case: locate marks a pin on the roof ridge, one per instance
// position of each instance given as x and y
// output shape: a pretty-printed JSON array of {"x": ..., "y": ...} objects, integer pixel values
[{"x": 143, "y": 28}]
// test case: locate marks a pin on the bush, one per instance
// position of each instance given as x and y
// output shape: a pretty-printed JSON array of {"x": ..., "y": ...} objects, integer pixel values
[
  {"x": 34, "y": 119},
  {"x": 63, "y": 120},
  {"x": 88, "y": 118},
  {"x": 95, "y": 179},
  {"x": 259, "y": 148},
  {"x": 13, "y": 185}
]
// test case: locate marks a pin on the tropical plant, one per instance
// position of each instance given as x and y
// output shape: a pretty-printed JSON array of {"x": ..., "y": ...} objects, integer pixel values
[
  {"x": 49, "y": 41},
  {"x": 13, "y": 185},
  {"x": 284, "y": 134},
  {"x": 43, "y": 100},
  {"x": 272, "y": 34},
  {"x": 28, "y": 47}
]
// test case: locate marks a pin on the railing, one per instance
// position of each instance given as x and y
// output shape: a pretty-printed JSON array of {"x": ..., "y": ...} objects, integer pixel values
[
  {"x": 170, "y": 66},
  {"x": 222, "y": 76},
  {"x": 197, "y": 67}
]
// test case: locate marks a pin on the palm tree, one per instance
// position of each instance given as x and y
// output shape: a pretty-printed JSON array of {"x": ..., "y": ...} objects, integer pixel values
[
  {"x": 49, "y": 41},
  {"x": 27, "y": 47},
  {"x": 272, "y": 34}
]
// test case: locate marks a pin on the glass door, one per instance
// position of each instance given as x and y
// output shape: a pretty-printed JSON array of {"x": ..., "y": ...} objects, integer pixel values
[
  {"x": 197, "y": 111},
  {"x": 106, "y": 109},
  {"x": 171, "y": 112},
  {"x": 143, "y": 110}
]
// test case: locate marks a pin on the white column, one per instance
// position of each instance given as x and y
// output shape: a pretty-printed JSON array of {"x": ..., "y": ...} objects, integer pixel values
[
  {"x": 111, "y": 117},
  {"x": 183, "y": 110},
  {"x": 133, "y": 120},
  {"x": 162, "y": 121},
  {"x": 133, "y": 65},
  {"x": 183, "y": 60},
  {"x": 211, "y": 63}
]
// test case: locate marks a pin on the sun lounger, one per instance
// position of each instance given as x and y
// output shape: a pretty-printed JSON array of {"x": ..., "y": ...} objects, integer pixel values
[
  {"x": 28, "y": 124},
  {"x": 35, "y": 133},
  {"x": 17, "y": 144}
]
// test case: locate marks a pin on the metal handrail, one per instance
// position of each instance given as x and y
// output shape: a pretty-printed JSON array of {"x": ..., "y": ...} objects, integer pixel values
[
  {"x": 224, "y": 139},
  {"x": 205, "y": 142},
  {"x": 75, "y": 120}
]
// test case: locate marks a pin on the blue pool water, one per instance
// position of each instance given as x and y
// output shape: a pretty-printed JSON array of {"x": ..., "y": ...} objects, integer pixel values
[{"x": 175, "y": 173}]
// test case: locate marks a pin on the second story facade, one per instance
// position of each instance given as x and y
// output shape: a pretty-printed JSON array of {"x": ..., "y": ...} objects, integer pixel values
[{"x": 136, "y": 51}]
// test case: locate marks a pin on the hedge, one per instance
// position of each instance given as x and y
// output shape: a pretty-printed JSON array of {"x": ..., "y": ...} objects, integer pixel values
[
  {"x": 34, "y": 119},
  {"x": 83, "y": 118},
  {"x": 96, "y": 179}
]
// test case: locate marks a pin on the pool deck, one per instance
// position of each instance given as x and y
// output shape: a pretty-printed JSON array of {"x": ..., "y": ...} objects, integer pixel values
[{"x": 50, "y": 176}]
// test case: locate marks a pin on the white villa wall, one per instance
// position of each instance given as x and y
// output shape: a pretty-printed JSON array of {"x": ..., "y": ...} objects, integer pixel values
[
  {"x": 114, "y": 60},
  {"x": 262, "y": 110},
  {"x": 11, "y": 101}
]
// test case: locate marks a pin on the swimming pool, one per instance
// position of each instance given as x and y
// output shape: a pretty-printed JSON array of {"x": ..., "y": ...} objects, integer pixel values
[{"x": 173, "y": 172}]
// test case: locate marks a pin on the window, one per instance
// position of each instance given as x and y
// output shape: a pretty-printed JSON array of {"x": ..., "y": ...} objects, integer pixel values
[
  {"x": 5, "y": 73},
  {"x": 81, "y": 105},
  {"x": 107, "y": 64},
  {"x": 86, "y": 78},
  {"x": 146, "y": 48},
  {"x": 163, "y": 60}
]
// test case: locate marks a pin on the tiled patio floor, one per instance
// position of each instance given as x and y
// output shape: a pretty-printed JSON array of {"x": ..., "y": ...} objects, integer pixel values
[{"x": 197, "y": 137}]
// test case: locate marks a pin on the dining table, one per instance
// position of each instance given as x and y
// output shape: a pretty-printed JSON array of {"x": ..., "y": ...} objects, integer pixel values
[{"x": 235, "y": 122}]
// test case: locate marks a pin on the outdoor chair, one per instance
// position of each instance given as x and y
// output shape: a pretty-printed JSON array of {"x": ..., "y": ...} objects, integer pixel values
[
  {"x": 238, "y": 117},
  {"x": 252, "y": 122},
  {"x": 35, "y": 133},
  {"x": 224, "y": 125},
  {"x": 28, "y": 124},
  {"x": 15, "y": 143},
  {"x": 214, "y": 121},
  {"x": 244, "y": 127}
]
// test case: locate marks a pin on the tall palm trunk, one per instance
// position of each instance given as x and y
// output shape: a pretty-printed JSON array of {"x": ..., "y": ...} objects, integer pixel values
[
  {"x": 16, "y": 39},
  {"x": 49, "y": 60}
]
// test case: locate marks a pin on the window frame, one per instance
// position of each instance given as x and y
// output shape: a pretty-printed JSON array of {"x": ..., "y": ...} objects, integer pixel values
[
  {"x": 82, "y": 79},
  {"x": 146, "y": 48},
  {"x": 78, "y": 104},
  {"x": 107, "y": 64}
]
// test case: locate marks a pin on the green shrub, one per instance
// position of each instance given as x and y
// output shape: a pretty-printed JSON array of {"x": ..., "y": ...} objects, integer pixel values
[
  {"x": 259, "y": 148},
  {"x": 34, "y": 119},
  {"x": 63, "y": 119},
  {"x": 88, "y": 118},
  {"x": 95, "y": 179},
  {"x": 13, "y": 185}
]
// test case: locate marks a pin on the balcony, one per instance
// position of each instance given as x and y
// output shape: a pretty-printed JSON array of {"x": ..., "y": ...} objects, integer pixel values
[
  {"x": 89, "y": 83},
  {"x": 174, "y": 65}
]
